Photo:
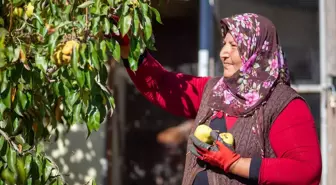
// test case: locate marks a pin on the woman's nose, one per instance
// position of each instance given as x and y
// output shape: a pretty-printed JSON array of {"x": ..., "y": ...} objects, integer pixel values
[{"x": 225, "y": 51}]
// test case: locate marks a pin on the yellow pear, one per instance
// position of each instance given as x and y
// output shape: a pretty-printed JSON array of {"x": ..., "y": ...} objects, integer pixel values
[
  {"x": 227, "y": 137},
  {"x": 29, "y": 10},
  {"x": 67, "y": 49},
  {"x": 57, "y": 58},
  {"x": 202, "y": 133},
  {"x": 18, "y": 12},
  {"x": 66, "y": 59}
]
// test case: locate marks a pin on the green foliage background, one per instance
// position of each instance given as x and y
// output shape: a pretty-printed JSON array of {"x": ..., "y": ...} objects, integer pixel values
[{"x": 37, "y": 94}]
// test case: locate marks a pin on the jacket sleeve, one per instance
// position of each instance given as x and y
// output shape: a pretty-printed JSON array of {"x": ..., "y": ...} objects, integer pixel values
[
  {"x": 177, "y": 93},
  {"x": 295, "y": 142}
]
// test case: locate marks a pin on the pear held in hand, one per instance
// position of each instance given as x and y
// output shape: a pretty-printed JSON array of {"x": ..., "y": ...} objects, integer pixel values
[
  {"x": 227, "y": 137},
  {"x": 202, "y": 133}
]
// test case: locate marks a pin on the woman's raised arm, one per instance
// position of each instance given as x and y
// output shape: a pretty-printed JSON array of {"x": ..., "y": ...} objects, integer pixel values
[{"x": 177, "y": 93}]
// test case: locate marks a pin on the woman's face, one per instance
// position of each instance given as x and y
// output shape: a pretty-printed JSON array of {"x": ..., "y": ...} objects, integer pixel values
[{"x": 229, "y": 56}]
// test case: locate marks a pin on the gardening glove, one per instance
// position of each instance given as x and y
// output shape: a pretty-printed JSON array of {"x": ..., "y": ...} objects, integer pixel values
[{"x": 220, "y": 154}]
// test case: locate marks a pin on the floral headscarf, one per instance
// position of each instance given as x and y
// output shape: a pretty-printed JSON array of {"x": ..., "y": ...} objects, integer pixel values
[{"x": 263, "y": 66}]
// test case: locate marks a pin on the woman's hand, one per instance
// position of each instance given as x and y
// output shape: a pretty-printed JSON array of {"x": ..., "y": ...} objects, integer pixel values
[{"x": 220, "y": 154}]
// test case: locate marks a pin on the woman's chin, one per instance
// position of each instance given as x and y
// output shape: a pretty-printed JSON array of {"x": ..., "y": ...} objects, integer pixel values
[{"x": 227, "y": 74}]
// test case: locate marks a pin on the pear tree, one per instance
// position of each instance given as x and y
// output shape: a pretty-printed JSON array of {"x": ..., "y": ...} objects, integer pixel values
[{"x": 53, "y": 71}]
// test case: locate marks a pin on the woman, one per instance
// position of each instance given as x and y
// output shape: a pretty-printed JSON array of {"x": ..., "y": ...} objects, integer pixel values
[{"x": 275, "y": 136}]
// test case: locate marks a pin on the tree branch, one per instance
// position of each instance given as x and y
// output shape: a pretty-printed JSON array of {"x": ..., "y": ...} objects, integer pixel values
[{"x": 3, "y": 133}]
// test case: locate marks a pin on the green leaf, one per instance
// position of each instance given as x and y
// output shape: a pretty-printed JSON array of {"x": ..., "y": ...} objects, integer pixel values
[
  {"x": 102, "y": 87},
  {"x": 15, "y": 124},
  {"x": 38, "y": 18},
  {"x": 4, "y": 81},
  {"x": 3, "y": 150},
  {"x": 17, "y": 2},
  {"x": 125, "y": 8},
  {"x": 8, "y": 176},
  {"x": 53, "y": 9},
  {"x": 107, "y": 26},
  {"x": 63, "y": 24},
  {"x": 110, "y": 2},
  {"x": 115, "y": 30},
  {"x": 16, "y": 54},
  {"x": 94, "y": 120},
  {"x": 67, "y": 11},
  {"x": 105, "y": 10},
  {"x": 88, "y": 79},
  {"x": 2, "y": 109},
  {"x": 17, "y": 108},
  {"x": 111, "y": 102},
  {"x": 77, "y": 113},
  {"x": 11, "y": 159},
  {"x": 115, "y": 48},
  {"x": 2, "y": 142},
  {"x": 103, "y": 50},
  {"x": 35, "y": 170},
  {"x": 85, "y": 98},
  {"x": 56, "y": 88},
  {"x": 6, "y": 97},
  {"x": 23, "y": 99},
  {"x": 135, "y": 48},
  {"x": 136, "y": 22},
  {"x": 19, "y": 139},
  {"x": 125, "y": 24},
  {"x": 40, "y": 149},
  {"x": 85, "y": 4},
  {"x": 74, "y": 59},
  {"x": 57, "y": 181},
  {"x": 28, "y": 162},
  {"x": 94, "y": 55},
  {"x": 95, "y": 27},
  {"x": 10, "y": 52},
  {"x": 71, "y": 100},
  {"x": 150, "y": 43},
  {"x": 103, "y": 73},
  {"x": 41, "y": 63},
  {"x": 133, "y": 63},
  {"x": 52, "y": 42},
  {"x": 20, "y": 170},
  {"x": 144, "y": 8},
  {"x": 83, "y": 48},
  {"x": 47, "y": 167},
  {"x": 148, "y": 27},
  {"x": 80, "y": 76},
  {"x": 157, "y": 15}
]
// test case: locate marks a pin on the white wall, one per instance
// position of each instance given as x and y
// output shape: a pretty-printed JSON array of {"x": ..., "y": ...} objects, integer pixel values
[{"x": 81, "y": 159}]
